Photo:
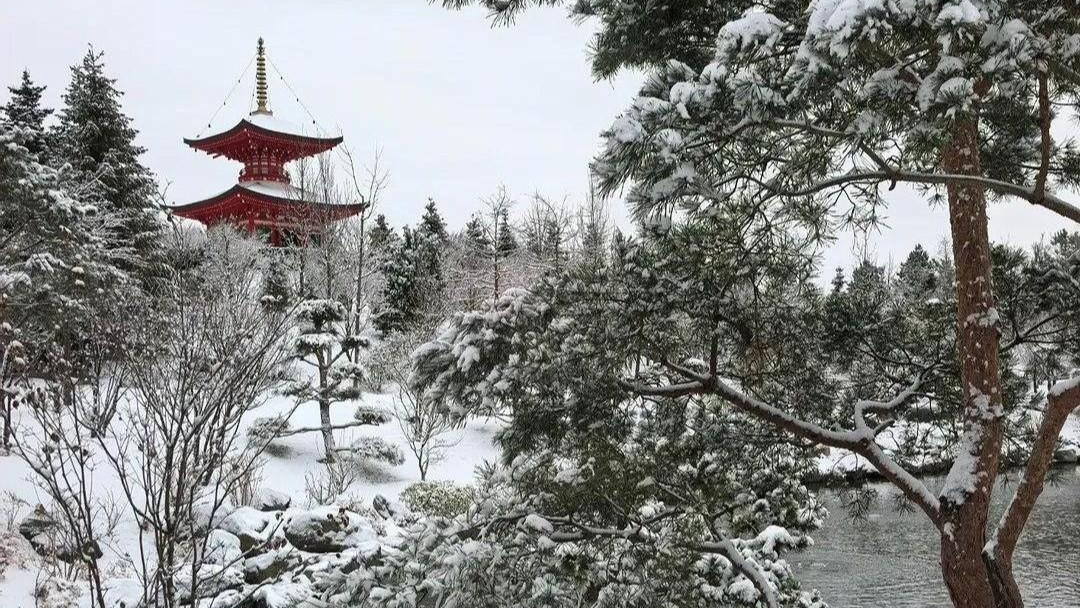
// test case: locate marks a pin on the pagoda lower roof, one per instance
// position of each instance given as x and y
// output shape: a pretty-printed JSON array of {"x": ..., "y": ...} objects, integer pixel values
[
  {"x": 262, "y": 130},
  {"x": 264, "y": 201}
]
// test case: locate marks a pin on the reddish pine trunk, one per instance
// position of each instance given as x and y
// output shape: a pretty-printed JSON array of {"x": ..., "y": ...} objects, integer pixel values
[{"x": 971, "y": 582}]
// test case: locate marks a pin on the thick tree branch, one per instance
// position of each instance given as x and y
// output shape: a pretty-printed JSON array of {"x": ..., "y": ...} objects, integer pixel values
[
  {"x": 1063, "y": 400},
  {"x": 1036, "y": 195},
  {"x": 319, "y": 429},
  {"x": 861, "y": 441},
  {"x": 751, "y": 571}
]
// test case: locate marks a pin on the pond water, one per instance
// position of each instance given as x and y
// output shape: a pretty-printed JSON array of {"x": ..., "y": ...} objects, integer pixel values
[{"x": 891, "y": 559}]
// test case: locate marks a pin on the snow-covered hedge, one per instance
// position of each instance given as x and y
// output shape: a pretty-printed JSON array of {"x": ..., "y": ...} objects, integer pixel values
[{"x": 439, "y": 498}]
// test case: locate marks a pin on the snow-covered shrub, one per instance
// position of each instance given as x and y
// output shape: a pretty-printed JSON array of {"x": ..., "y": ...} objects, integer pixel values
[{"x": 440, "y": 498}]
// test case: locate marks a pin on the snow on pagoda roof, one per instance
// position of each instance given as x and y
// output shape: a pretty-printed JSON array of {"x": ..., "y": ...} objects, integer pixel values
[
  {"x": 277, "y": 195},
  {"x": 265, "y": 126},
  {"x": 275, "y": 189},
  {"x": 273, "y": 123}
]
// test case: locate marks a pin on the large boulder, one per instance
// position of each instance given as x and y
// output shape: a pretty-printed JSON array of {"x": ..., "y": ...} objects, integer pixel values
[
  {"x": 290, "y": 592},
  {"x": 268, "y": 566},
  {"x": 252, "y": 526},
  {"x": 210, "y": 508},
  {"x": 222, "y": 548},
  {"x": 212, "y": 580},
  {"x": 41, "y": 530},
  {"x": 46, "y": 537},
  {"x": 329, "y": 530},
  {"x": 388, "y": 509},
  {"x": 271, "y": 500}
]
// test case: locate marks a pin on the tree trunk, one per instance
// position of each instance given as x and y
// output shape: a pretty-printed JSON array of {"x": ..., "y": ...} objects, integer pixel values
[
  {"x": 327, "y": 430},
  {"x": 5, "y": 411},
  {"x": 965, "y": 502}
]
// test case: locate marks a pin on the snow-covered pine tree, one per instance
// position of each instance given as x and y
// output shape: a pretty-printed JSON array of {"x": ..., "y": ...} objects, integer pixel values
[
  {"x": 277, "y": 289},
  {"x": 24, "y": 110},
  {"x": 55, "y": 274},
  {"x": 413, "y": 276},
  {"x": 432, "y": 223},
  {"x": 505, "y": 241},
  {"x": 327, "y": 377},
  {"x": 475, "y": 237},
  {"x": 634, "y": 483},
  {"x": 97, "y": 139},
  {"x": 804, "y": 112},
  {"x": 381, "y": 233}
]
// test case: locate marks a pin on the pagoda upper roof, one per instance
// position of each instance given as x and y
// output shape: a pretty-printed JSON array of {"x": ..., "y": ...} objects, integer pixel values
[
  {"x": 262, "y": 130},
  {"x": 264, "y": 201}
]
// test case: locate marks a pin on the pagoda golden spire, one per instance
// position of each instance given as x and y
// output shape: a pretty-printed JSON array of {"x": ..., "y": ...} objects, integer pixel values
[{"x": 261, "y": 106}]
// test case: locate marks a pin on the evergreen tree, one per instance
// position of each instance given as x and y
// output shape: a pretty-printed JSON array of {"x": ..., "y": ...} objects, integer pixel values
[
  {"x": 476, "y": 236},
  {"x": 24, "y": 110},
  {"x": 811, "y": 110},
  {"x": 98, "y": 140},
  {"x": 381, "y": 233},
  {"x": 413, "y": 277},
  {"x": 917, "y": 276},
  {"x": 432, "y": 224},
  {"x": 277, "y": 290},
  {"x": 324, "y": 344},
  {"x": 505, "y": 241},
  {"x": 59, "y": 292}
]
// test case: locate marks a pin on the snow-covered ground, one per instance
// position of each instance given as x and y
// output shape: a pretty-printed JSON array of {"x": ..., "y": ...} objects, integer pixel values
[{"x": 284, "y": 471}]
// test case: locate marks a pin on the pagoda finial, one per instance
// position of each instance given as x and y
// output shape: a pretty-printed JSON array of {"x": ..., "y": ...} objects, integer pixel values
[{"x": 260, "y": 80}]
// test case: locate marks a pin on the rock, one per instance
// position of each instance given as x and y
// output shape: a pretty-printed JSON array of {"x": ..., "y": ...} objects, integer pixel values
[
  {"x": 251, "y": 526},
  {"x": 43, "y": 532},
  {"x": 213, "y": 580},
  {"x": 123, "y": 593},
  {"x": 381, "y": 506},
  {"x": 268, "y": 566},
  {"x": 389, "y": 509},
  {"x": 222, "y": 548},
  {"x": 46, "y": 537},
  {"x": 289, "y": 593},
  {"x": 329, "y": 530},
  {"x": 209, "y": 510},
  {"x": 271, "y": 500},
  {"x": 38, "y": 523},
  {"x": 1069, "y": 455}
]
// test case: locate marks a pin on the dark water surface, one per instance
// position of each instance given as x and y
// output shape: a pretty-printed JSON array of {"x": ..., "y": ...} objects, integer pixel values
[{"x": 891, "y": 559}]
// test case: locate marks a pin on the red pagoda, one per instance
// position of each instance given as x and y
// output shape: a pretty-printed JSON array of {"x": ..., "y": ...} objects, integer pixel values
[{"x": 264, "y": 201}]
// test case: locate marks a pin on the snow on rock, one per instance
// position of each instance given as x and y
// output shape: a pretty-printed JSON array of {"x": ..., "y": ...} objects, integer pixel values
[
  {"x": 329, "y": 530},
  {"x": 252, "y": 526},
  {"x": 39, "y": 528},
  {"x": 389, "y": 509},
  {"x": 123, "y": 593},
  {"x": 271, "y": 500},
  {"x": 210, "y": 510},
  {"x": 211, "y": 580},
  {"x": 286, "y": 593},
  {"x": 268, "y": 566},
  {"x": 222, "y": 548}
]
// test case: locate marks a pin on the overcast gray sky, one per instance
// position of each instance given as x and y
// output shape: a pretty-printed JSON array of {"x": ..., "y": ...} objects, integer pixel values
[{"x": 457, "y": 107}]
